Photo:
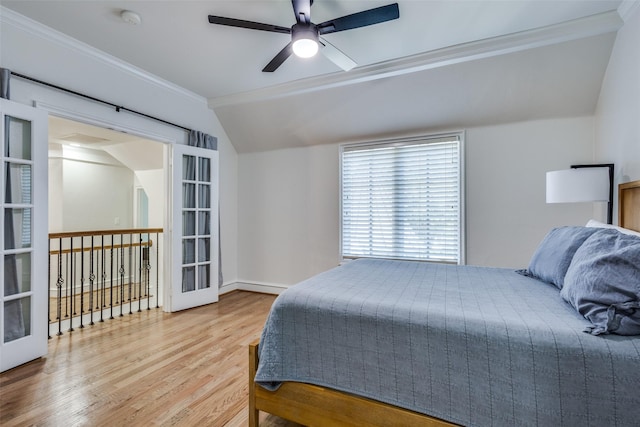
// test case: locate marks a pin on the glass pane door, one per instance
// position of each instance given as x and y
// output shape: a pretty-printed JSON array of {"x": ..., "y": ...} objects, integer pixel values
[
  {"x": 23, "y": 248},
  {"x": 195, "y": 237}
]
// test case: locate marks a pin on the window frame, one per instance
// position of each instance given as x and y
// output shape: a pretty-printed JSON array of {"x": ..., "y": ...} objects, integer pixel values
[{"x": 460, "y": 135}]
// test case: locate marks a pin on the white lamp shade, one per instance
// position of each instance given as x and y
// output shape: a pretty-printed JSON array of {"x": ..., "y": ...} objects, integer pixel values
[{"x": 578, "y": 185}]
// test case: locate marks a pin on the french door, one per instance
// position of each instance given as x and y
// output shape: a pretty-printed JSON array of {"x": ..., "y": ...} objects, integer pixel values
[
  {"x": 194, "y": 227},
  {"x": 23, "y": 221}
]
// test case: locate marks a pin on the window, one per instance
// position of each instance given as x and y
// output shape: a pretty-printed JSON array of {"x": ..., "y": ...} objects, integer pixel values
[{"x": 403, "y": 199}]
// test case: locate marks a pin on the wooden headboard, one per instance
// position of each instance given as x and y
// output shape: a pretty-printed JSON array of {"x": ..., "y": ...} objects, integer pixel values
[{"x": 629, "y": 205}]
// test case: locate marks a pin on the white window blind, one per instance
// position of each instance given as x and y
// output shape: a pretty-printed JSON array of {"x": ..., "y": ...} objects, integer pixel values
[{"x": 402, "y": 199}]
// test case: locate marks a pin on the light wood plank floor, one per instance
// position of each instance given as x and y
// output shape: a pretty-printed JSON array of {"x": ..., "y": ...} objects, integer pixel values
[{"x": 151, "y": 368}]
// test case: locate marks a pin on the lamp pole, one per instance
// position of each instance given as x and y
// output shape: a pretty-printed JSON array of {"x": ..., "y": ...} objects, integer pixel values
[{"x": 610, "y": 202}]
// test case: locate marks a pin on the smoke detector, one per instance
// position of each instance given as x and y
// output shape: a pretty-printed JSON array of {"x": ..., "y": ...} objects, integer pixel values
[{"x": 130, "y": 17}]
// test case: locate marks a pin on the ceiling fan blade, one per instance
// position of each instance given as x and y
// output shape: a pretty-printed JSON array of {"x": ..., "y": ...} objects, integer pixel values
[
  {"x": 336, "y": 56},
  {"x": 360, "y": 19},
  {"x": 278, "y": 59},
  {"x": 241, "y": 23},
  {"x": 302, "y": 9}
]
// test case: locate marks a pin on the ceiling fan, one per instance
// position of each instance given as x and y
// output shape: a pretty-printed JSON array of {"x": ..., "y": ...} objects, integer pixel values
[{"x": 305, "y": 35}]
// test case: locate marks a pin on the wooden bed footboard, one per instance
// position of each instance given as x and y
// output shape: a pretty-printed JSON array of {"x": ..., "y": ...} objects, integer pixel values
[{"x": 312, "y": 405}]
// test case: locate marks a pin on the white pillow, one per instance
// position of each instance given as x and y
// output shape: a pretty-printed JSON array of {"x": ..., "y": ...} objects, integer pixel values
[{"x": 598, "y": 224}]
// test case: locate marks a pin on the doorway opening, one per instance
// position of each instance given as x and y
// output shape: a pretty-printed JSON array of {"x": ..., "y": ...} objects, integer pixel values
[{"x": 107, "y": 204}]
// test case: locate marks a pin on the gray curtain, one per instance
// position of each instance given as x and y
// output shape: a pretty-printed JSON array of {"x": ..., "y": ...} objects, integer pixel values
[
  {"x": 13, "y": 319},
  {"x": 203, "y": 140}
]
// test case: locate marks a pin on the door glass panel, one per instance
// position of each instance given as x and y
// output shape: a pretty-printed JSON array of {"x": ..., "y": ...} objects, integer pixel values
[
  {"x": 18, "y": 184},
  {"x": 18, "y": 138},
  {"x": 204, "y": 223},
  {"x": 204, "y": 199},
  {"x": 17, "y": 273},
  {"x": 204, "y": 250},
  {"x": 17, "y": 319},
  {"x": 188, "y": 195},
  {"x": 17, "y": 228},
  {"x": 188, "y": 168},
  {"x": 188, "y": 223},
  {"x": 188, "y": 279},
  {"x": 188, "y": 251},
  {"x": 204, "y": 173},
  {"x": 204, "y": 271}
]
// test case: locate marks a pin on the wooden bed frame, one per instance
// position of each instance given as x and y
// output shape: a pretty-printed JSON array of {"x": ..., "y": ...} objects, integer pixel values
[
  {"x": 312, "y": 405},
  {"x": 629, "y": 205}
]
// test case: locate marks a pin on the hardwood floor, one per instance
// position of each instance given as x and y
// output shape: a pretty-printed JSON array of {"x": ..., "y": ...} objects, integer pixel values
[{"x": 151, "y": 368}]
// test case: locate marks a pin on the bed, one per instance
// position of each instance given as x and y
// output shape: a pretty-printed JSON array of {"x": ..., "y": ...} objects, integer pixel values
[{"x": 458, "y": 345}]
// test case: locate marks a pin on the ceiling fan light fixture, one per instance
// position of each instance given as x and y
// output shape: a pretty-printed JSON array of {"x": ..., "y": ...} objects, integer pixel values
[
  {"x": 305, "y": 48},
  {"x": 305, "y": 35},
  {"x": 305, "y": 40}
]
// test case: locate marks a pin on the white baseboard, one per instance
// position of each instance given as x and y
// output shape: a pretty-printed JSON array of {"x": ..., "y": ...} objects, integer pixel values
[
  {"x": 261, "y": 287},
  {"x": 228, "y": 287}
]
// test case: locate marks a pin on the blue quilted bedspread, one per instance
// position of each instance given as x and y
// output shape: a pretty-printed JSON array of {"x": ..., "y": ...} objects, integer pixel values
[{"x": 472, "y": 345}]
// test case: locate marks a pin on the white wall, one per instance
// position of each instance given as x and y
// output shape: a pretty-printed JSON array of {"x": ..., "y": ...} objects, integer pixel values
[
  {"x": 507, "y": 215},
  {"x": 88, "y": 190},
  {"x": 289, "y": 199},
  {"x": 39, "y": 52},
  {"x": 288, "y": 214},
  {"x": 618, "y": 113},
  {"x": 96, "y": 196}
]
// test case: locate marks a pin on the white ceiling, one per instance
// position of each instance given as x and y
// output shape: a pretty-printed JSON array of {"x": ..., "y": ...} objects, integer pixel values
[
  {"x": 131, "y": 151},
  {"x": 442, "y": 64}
]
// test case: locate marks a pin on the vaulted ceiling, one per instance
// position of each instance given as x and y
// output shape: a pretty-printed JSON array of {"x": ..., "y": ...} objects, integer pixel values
[{"x": 443, "y": 64}]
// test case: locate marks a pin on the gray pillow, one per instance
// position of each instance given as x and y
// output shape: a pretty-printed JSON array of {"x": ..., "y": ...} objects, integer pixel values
[
  {"x": 551, "y": 260},
  {"x": 603, "y": 283}
]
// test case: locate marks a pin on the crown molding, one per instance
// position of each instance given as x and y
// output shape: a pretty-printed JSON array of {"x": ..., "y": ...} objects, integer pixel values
[
  {"x": 627, "y": 8},
  {"x": 545, "y": 36},
  {"x": 23, "y": 23}
]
